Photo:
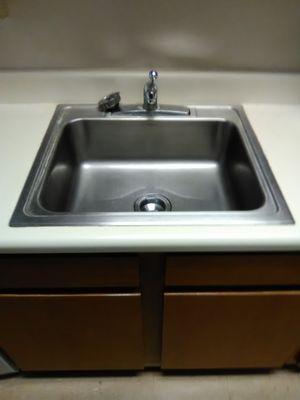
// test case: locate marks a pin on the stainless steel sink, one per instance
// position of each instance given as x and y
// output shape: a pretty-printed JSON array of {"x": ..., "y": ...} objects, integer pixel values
[{"x": 103, "y": 169}]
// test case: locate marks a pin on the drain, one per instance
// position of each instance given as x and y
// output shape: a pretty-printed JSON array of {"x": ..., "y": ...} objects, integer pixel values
[{"x": 152, "y": 203}]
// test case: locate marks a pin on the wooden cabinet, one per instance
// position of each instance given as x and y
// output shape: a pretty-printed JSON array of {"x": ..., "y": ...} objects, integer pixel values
[
  {"x": 231, "y": 311},
  {"x": 52, "y": 332},
  {"x": 127, "y": 311},
  {"x": 230, "y": 330},
  {"x": 71, "y": 312}
]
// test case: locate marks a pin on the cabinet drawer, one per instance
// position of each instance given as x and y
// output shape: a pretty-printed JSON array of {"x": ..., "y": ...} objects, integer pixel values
[
  {"x": 72, "y": 332},
  {"x": 67, "y": 271},
  {"x": 230, "y": 330},
  {"x": 232, "y": 269}
]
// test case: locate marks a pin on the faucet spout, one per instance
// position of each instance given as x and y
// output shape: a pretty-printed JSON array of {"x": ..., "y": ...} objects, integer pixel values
[{"x": 151, "y": 92}]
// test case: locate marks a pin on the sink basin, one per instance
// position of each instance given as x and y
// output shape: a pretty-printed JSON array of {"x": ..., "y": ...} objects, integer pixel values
[
  {"x": 105, "y": 166},
  {"x": 103, "y": 169}
]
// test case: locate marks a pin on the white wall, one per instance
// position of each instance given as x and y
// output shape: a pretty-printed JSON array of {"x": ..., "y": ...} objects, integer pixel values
[{"x": 138, "y": 34}]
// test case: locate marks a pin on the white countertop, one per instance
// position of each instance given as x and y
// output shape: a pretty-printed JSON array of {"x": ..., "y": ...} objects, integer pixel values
[{"x": 22, "y": 127}]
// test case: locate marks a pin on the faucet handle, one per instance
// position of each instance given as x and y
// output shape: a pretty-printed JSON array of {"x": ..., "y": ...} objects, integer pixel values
[{"x": 153, "y": 74}]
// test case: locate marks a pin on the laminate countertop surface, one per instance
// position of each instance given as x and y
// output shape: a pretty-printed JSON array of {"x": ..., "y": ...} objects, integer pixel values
[{"x": 24, "y": 119}]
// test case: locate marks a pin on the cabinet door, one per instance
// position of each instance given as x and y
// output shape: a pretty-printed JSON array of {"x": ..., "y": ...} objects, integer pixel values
[
  {"x": 230, "y": 330},
  {"x": 72, "y": 332}
]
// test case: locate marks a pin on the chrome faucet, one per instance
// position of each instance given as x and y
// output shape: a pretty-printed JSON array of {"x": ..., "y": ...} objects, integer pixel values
[
  {"x": 150, "y": 92},
  {"x": 111, "y": 103}
]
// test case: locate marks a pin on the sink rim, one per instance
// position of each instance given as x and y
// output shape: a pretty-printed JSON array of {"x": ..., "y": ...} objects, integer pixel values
[{"x": 29, "y": 212}]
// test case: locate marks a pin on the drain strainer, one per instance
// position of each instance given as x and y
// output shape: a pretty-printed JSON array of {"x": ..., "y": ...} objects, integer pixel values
[{"x": 152, "y": 203}]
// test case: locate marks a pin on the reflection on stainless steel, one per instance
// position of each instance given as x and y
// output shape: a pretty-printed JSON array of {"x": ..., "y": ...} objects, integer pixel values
[{"x": 92, "y": 169}]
